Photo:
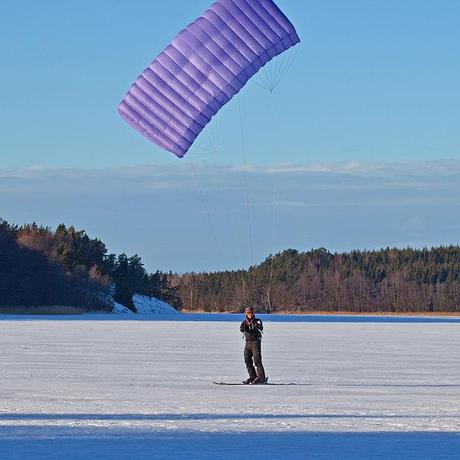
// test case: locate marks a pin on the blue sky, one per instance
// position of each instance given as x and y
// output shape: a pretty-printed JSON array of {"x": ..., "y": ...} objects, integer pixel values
[{"x": 373, "y": 82}]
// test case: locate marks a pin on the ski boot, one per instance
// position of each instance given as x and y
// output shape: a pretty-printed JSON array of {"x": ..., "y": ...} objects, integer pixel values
[{"x": 258, "y": 381}]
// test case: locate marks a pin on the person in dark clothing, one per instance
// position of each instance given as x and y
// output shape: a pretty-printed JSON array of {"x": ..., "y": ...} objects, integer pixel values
[{"x": 252, "y": 328}]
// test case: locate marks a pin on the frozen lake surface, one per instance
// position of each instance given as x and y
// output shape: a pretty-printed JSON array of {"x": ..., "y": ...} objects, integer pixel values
[{"x": 102, "y": 387}]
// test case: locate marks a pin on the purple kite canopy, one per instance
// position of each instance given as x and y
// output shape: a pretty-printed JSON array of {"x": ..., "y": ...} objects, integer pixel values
[{"x": 203, "y": 68}]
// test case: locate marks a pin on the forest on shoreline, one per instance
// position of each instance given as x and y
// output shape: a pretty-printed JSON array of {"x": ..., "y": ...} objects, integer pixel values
[
  {"x": 389, "y": 280},
  {"x": 42, "y": 267}
]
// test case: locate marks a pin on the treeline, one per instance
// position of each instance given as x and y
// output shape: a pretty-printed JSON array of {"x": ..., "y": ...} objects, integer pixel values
[
  {"x": 65, "y": 267},
  {"x": 387, "y": 280}
]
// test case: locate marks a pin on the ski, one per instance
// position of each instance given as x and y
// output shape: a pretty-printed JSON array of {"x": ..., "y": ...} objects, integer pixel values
[
  {"x": 269, "y": 384},
  {"x": 228, "y": 383},
  {"x": 245, "y": 384}
]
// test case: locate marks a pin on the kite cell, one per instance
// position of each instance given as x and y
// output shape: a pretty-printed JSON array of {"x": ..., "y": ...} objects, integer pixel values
[{"x": 203, "y": 68}]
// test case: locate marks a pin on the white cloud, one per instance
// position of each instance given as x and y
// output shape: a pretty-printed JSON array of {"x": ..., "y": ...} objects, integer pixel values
[
  {"x": 264, "y": 180},
  {"x": 159, "y": 211},
  {"x": 186, "y": 166}
]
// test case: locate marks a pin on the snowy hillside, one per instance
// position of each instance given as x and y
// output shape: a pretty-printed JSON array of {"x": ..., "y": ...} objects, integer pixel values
[{"x": 146, "y": 306}]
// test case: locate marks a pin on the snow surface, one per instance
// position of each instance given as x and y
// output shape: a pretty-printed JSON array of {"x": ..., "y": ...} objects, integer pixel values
[
  {"x": 100, "y": 387},
  {"x": 146, "y": 306}
]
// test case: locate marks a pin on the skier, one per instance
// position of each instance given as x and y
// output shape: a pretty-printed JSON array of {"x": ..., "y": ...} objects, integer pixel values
[{"x": 252, "y": 328}]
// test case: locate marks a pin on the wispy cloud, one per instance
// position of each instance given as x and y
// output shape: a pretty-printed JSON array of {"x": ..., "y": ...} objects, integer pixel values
[
  {"x": 187, "y": 167},
  {"x": 380, "y": 169},
  {"x": 420, "y": 168},
  {"x": 308, "y": 185}
]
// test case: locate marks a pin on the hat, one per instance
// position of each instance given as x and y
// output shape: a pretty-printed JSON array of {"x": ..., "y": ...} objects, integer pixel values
[{"x": 249, "y": 309}]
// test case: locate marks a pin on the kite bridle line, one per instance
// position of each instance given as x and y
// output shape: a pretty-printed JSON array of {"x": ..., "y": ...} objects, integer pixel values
[{"x": 275, "y": 71}]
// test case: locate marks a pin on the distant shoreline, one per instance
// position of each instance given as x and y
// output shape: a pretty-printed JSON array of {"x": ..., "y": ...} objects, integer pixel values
[
  {"x": 72, "y": 311},
  {"x": 330, "y": 313}
]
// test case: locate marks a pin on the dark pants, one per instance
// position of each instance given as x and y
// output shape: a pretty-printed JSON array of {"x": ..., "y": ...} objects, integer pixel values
[{"x": 253, "y": 351}]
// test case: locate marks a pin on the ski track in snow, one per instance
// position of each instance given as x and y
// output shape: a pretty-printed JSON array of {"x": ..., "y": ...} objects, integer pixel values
[{"x": 95, "y": 387}]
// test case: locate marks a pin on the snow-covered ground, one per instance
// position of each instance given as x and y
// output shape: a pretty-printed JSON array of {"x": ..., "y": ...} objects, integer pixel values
[
  {"x": 94, "y": 388},
  {"x": 146, "y": 306}
]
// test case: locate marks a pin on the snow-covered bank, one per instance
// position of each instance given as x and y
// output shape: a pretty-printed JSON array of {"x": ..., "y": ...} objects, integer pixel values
[
  {"x": 142, "y": 389},
  {"x": 146, "y": 306}
]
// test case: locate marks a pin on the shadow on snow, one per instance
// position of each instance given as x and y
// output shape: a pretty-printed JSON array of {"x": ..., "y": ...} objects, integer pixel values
[{"x": 26, "y": 442}]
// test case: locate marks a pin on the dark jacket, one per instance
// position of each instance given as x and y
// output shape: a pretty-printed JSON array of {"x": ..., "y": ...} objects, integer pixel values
[{"x": 252, "y": 330}]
